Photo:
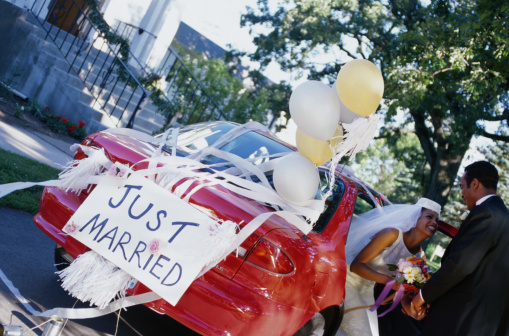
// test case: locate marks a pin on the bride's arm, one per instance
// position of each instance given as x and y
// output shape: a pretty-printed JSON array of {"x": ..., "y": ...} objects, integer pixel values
[{"x": 380, "y": 241}]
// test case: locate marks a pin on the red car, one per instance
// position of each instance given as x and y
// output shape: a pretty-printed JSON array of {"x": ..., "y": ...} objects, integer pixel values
[{"x": 280, "y": 283}]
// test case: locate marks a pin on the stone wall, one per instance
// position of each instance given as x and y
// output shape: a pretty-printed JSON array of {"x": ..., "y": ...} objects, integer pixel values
[{"x": 35, "y": 68}]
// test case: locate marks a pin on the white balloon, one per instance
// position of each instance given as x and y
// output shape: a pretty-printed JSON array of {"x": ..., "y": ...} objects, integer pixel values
[
  {"x": 296, "y": 179},
  {"x": 314, "y": 106},
  {"x": 347, "y": 116}
]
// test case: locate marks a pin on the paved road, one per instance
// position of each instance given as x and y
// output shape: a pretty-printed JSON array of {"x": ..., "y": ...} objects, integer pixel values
[{"x": 27, "y": 260}]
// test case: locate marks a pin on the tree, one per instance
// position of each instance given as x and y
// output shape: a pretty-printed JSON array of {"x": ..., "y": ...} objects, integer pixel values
[
  {"x": 240, "y": 98},
  {"x": 273, "y": 97},
  {"x": 496, "y": 153},
  {"x": 393, "y": 171},
  {"x": 444, "y": 66}
]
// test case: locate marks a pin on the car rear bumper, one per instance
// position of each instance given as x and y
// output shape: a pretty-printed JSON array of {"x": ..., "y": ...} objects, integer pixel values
[{"x": 211, "y": 308}]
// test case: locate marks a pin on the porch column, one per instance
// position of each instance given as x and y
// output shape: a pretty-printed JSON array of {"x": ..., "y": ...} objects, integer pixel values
[{"x": 158, "y": 28}]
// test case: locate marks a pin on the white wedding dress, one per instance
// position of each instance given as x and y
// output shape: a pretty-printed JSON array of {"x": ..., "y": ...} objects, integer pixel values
[{"x": 359, "y": 292}]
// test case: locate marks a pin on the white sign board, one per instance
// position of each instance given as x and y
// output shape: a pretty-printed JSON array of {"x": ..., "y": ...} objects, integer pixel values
[{"x": 146, "y": 231}]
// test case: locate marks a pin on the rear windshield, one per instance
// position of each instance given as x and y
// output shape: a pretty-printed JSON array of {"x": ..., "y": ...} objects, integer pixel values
[
  {"x": 257, "y": 148},
  {"x": 251, "y": 145}
]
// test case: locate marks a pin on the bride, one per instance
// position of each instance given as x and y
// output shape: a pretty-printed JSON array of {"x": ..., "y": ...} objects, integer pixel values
[{"x": 379, "y": 237}]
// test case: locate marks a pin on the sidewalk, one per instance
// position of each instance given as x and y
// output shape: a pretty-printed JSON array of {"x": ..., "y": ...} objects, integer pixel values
[{"x": 35, "y": 145}]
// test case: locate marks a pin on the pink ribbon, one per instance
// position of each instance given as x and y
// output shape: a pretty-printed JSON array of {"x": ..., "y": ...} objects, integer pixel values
[{"x": 383, "y": 296}]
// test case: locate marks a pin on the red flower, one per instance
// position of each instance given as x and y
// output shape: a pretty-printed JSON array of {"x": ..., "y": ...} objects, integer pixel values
[
  {"x": 81, "y": 124},
  {"x": 410, "y": 289},
  {"x": 46, "y": 108},
  {"x": 64, "y": 120}
]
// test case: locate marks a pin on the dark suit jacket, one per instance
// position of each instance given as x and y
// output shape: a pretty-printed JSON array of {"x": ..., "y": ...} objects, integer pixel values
[{"x": 469, "y": 295}]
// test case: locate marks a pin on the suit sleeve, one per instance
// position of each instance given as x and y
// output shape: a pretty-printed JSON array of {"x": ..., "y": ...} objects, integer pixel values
[{"x": 464, "y": 256}]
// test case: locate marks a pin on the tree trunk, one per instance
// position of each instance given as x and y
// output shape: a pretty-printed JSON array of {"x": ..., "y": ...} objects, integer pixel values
[
  {"x": 444, "y": 155},
  {"x": 442, "y": 176}
]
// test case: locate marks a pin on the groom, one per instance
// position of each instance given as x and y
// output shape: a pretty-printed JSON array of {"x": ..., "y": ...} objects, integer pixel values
[{"x": 469, "y": 294}]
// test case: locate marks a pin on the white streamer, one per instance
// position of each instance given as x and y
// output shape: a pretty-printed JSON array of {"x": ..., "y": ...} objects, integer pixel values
[
  {"x": 6, "y": 189},
  {"x": 79, "y": 313}
]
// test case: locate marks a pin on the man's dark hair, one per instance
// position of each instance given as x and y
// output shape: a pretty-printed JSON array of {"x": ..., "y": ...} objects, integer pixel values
[{"x": 484, "y": 172}]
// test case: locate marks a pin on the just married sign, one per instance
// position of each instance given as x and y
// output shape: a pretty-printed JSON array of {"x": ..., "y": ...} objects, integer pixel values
[{"x": 151, "y": 234}]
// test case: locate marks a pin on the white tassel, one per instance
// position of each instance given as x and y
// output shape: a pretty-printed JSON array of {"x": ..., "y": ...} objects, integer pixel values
[
  {"x": 222, "y": 242},
  {"x": 92, "y": 278},
  {"x": 359, "y": 134},
  {"x": 77, "y": 172},
  {"x": 221, "y": 238}
]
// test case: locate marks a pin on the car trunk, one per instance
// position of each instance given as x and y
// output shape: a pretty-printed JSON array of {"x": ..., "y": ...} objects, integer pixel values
[{"x": 215, "y": 201}]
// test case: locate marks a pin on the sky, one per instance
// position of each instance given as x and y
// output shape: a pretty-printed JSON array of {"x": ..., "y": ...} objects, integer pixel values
[{"x": 219, "y": 21}]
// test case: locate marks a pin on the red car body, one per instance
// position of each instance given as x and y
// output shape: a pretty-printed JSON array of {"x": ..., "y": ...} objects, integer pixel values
[{"x": 279, "y": 280}]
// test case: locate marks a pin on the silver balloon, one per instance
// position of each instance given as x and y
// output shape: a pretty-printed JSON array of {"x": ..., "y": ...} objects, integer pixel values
[
  {"x": 296, "y": 179},
  {"x": 314, "y": 106},
  {"x": 347, "y": 116}
]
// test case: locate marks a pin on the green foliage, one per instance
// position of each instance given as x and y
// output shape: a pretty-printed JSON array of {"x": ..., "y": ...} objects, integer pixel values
[
  {"x": 455, "y": 210},
  {"x": 444, "y": 66},
  {"x": 19, "y": 111},
  {"x": 16, "y": 168},
  {"x": 393, "y": 166},
  {"x": 34, "y": 108},
  {"x": 496, "y": 153},
  {"x": 62, "y": 125},
  {"x": 116, "y": 42},
  {"x": 253, "y": 99},
  {"x": 97, "y": 19},
  {"x": 59, "y": 124}
]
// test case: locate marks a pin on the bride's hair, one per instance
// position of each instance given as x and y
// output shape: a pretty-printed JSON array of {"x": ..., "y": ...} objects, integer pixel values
[{"x": 398, "y": 216}]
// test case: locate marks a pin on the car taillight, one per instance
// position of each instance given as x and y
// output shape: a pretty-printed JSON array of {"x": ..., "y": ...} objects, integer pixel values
[
  {"x": 270, "y": 257},
  {"x": 79, "y": 154}
]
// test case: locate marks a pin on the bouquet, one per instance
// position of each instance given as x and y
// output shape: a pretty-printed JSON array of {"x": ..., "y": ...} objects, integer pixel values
[{"x": 412, "y": 273}]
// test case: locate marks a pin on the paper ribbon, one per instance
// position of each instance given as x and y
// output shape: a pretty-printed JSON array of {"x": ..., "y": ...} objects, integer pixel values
[{"x": 80, "y": 313}]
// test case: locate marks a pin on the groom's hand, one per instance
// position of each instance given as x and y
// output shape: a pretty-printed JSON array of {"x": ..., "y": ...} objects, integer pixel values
[
  {"x": 418, "y": 308},
  {"x": 406, "y": 303}
]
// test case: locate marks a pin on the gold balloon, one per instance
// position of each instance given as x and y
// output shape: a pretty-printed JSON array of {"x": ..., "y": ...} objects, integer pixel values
[
  {"x": 360, "y": 86},
  {"x": 315, "y": 150}
]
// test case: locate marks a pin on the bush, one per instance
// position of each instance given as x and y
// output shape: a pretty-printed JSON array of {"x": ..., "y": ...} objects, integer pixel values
[{"x": 61, "y": 124}]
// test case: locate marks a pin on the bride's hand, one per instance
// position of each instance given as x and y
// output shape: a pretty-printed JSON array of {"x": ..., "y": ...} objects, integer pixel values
[
  {"x": 410, "y": 310},
  {"x": 396, "y": 286}
]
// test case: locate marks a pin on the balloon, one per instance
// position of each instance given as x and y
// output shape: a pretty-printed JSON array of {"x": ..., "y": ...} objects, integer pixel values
[
  {"x": 315, "y": 150},
  {"x": 360, "y": 86},
  {"x": 346, "y": 116},
  {"x": 314, "y": 107},
  {"x": 296, "y": 179}
]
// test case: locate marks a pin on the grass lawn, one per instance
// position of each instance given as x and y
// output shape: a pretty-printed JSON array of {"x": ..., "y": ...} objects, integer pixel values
[{"x": 17, "y": 168}]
